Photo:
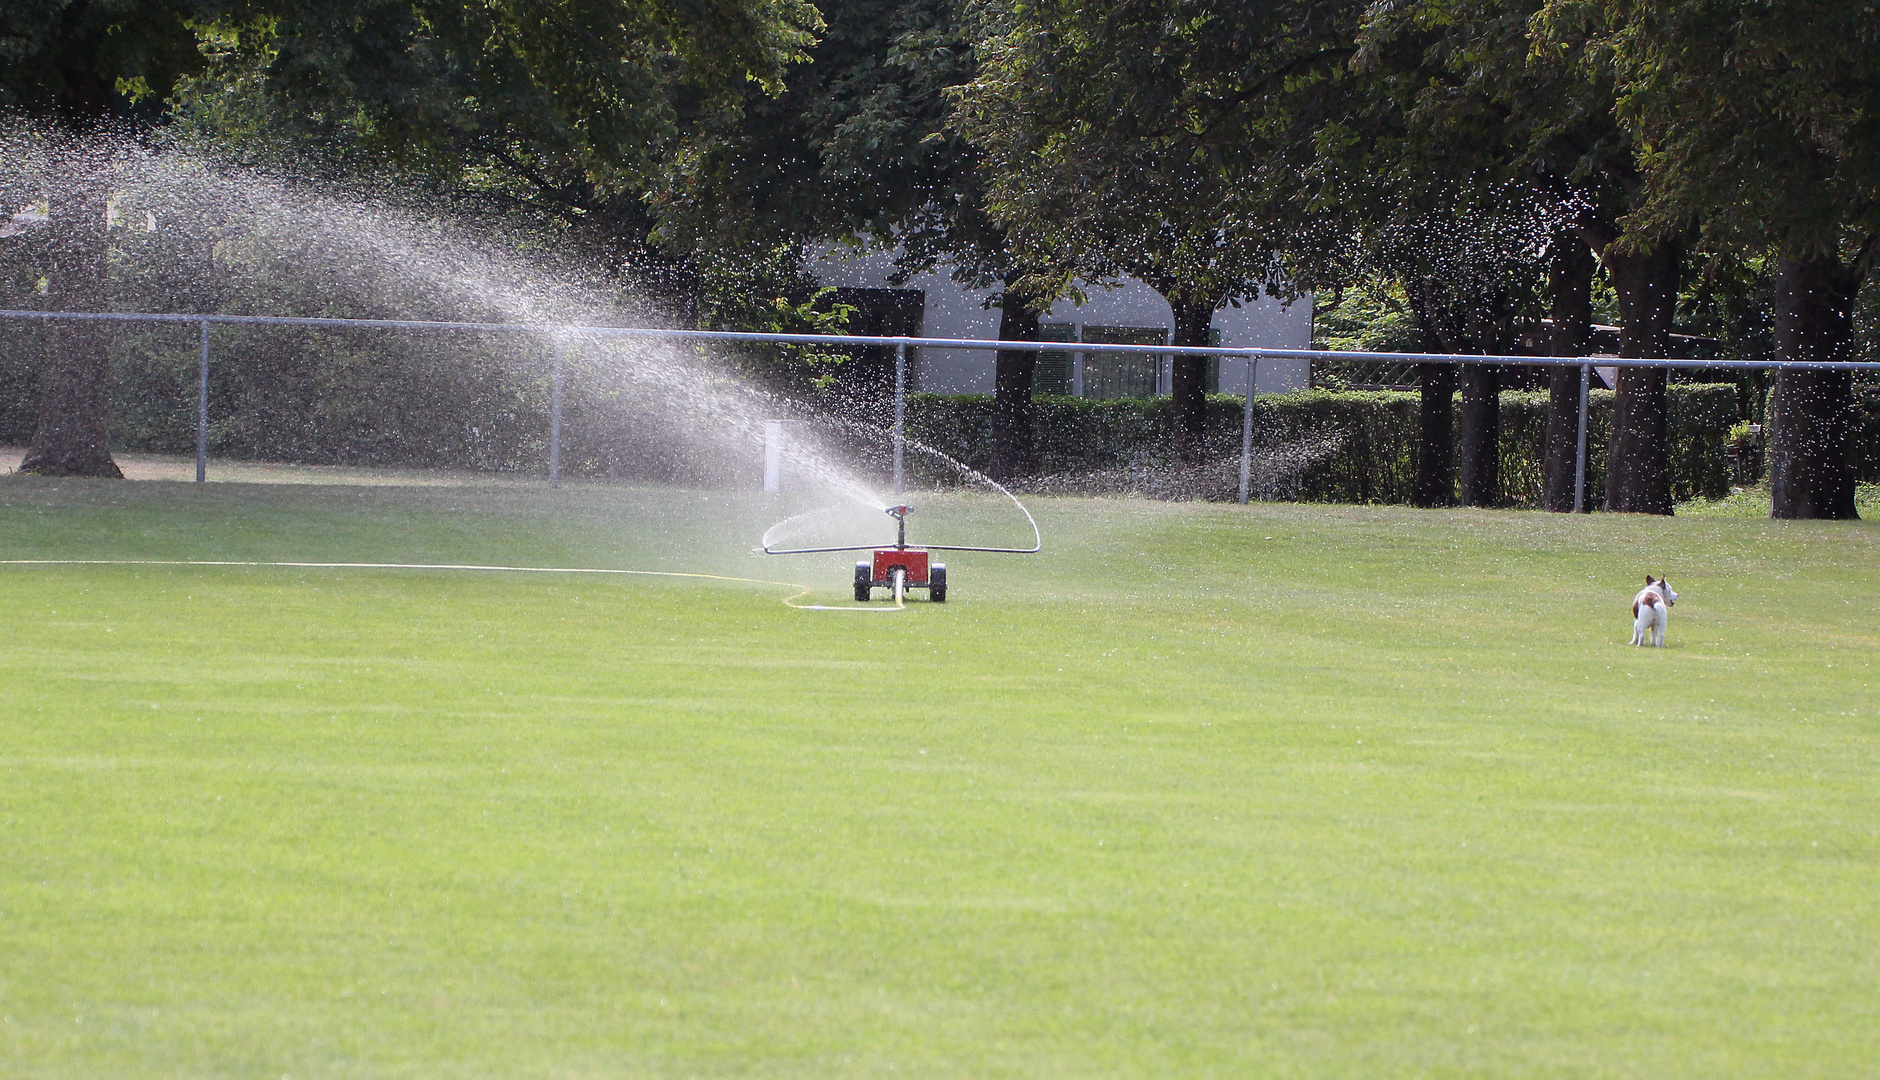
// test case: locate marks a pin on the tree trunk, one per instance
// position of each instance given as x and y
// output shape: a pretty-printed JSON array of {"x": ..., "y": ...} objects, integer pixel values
[
  {"x": 1436, "y": 473},
  {"x": 74, "y": 380},
  {"x": 1638, "y": 460},
  {"x": 1436, "y": 418},
  {"x": 1810, "y": 474},
  {"x": 1638, "y": 464},
  {"x": 1571, "y": 287},
  {"x": 1480, "y": 465},
  {"x": 1188, "y": 379},
  {"x": 1012, "y": 452}
]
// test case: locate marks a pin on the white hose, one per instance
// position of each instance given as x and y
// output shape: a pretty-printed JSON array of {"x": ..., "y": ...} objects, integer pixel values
[{"x": 788, "y": 601}]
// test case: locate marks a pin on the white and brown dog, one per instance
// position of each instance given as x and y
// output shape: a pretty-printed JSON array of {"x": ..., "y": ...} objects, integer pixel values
[{"x": 1649, "y": 609}]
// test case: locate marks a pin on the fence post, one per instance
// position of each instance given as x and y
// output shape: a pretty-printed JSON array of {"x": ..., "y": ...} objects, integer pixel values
[
  {"x": 1165, "y": 371},
  {"x": 1579, "y": 449},
  {"x": 773, "y": 455},
  {"x": 554, "y": 419},
  {"x": 900, "y": 414},
  {"x": 1246, "y": 429},
  {"x": 202, "y": 409}
]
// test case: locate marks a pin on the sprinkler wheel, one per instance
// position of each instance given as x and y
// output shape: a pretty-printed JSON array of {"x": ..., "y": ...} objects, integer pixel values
[{"x": 864, "y": 581}]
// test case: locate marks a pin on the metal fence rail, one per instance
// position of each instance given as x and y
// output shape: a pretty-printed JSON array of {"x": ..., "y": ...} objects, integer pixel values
[{"x": 561, "y": 333}]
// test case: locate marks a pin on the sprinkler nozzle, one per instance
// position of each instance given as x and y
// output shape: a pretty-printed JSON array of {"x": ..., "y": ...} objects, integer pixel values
[{"x": 899, "y": 514}]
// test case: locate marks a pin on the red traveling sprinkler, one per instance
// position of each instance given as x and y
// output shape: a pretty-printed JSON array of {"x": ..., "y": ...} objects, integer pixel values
[{"x": 900, "y": 567}]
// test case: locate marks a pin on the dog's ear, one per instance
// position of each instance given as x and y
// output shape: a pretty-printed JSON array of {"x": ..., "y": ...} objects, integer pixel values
[{"x": 1648, "y": 579}]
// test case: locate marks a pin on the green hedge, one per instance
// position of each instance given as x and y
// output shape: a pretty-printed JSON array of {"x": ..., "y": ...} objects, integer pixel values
[{"x": 1326, "y": 445}]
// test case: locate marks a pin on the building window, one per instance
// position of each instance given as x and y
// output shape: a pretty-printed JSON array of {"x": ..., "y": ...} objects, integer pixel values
[
  {"x": 1123, "y": 375},
  {"x": 1053, "y": 373}
]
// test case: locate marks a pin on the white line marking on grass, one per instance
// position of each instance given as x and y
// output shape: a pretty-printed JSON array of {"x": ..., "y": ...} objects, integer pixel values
[{"x": 788, "y": 601}]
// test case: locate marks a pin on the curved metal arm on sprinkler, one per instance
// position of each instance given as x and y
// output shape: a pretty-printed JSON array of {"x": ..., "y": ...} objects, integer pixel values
[
  {"x": 899, "y": 513},
  {"x": 1032, "y": 550}
]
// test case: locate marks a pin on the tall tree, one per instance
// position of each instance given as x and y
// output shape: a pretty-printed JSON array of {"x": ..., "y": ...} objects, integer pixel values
[
  {"x": 1483, "y": 76},
  {"x": 1570, "y": 303},
  {"x": 1146, "y": 139},
  {"x": 1468, "y": 256},
  {"x": 1768, "y": 120},
  {"x": 1444, "y": 170},
  {"x": 78, "y": 65}
]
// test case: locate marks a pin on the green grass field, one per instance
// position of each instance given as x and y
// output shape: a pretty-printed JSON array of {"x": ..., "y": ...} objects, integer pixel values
[{"x": 1204, "y": 791}]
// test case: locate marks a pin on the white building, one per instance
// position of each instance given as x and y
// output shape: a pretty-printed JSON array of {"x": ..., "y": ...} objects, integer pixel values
[{"x": 932, "y": 305}]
